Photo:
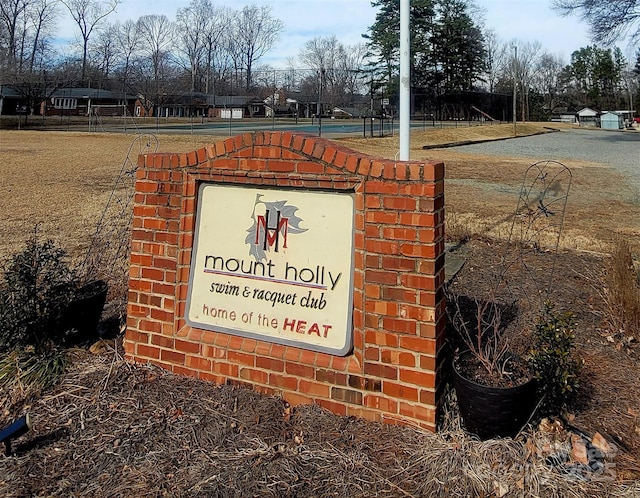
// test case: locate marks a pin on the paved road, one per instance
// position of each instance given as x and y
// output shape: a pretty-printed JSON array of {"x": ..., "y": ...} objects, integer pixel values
[{"x": 620, "y": 150}]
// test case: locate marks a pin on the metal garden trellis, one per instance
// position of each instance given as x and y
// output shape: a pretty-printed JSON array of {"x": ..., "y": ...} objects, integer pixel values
[
  {"x": 107, "y": 255},
  {"x": 539, "y": 217}
]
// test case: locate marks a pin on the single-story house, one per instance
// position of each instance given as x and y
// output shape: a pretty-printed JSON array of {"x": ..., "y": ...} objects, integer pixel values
[
  {"x": 568, "y": 117},
  {"x": 180, "y": 105},
  {"x": 87, "y": 101},
  {"x": 200, "y": 105},
  {"x": 587, "y": 117},
  {"x": 611, "y": 120},
  {"x": 562, "y": 114},
  {"x": 11, "y": 102}
]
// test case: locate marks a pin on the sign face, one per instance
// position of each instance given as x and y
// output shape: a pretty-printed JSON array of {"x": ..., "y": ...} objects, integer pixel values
[{"x": 274, "y": 264}]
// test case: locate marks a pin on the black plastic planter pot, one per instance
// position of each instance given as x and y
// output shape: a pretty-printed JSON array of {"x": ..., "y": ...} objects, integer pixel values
[
  {"x": 82, "y": 316},
  {"x": 490, "y": 412}
]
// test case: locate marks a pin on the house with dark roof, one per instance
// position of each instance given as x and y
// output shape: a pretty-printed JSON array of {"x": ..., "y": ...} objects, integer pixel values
[
  {"x": 11, "y": 102},
  {"x": 200, "y": 105},
  {"x": 87, "y": 101}
]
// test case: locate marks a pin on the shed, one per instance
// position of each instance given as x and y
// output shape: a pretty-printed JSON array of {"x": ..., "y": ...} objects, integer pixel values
[
  {"x": 587, "y": 117},
  {"x": 611, "y": 121}
]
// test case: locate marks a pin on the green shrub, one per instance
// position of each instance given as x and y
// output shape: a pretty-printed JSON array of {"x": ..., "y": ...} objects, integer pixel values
[
  {"x": 38, "y": 285},
  {"x": 552, "y": 360}
]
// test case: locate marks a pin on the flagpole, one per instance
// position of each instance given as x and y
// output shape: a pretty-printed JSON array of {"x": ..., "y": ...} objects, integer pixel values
[{"x": 405, "y": 80}]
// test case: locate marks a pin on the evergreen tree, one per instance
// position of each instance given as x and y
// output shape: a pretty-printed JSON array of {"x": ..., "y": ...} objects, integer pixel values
[
  {"x": 447, "y": 47},
  {"x": 458, "y": 47},
  {"x": 596, "y": 76},
  {"x": 384, "y": 37}
]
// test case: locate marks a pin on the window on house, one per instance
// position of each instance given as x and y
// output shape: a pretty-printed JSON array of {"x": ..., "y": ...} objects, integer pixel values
[{"x": 65, "y": 103}]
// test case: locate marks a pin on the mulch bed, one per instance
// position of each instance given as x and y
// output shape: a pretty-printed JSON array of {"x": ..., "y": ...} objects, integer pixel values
[
  {"x": 109, "y": 428},
  {"x": 608, "y": 399}
]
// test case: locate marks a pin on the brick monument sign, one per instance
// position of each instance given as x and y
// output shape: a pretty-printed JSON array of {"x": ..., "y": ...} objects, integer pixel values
[{"x": 296, "y": 267}]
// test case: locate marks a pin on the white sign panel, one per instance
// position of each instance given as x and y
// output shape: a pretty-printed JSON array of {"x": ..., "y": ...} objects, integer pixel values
[{"x": 274, "y": 264}]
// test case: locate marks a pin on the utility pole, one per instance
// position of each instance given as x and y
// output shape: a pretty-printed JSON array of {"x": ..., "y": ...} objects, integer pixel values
[{"x": 320, "y": 101}]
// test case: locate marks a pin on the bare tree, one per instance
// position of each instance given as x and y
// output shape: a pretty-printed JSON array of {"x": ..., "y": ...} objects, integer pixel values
[
  {"x": 12, "y": 15},
  {"x": 88, "y": 15},
  {"x": 104, "y": 49},
  {"x": 525, "y": 66},
  {"x": 323, "y": 55},
  {"x": 356, "y": 56},
  {"x": 609, "y": 20},
  {"x": 233, "y": 51},
  {"x": 25, "y": 48},
  {"x": 157, "y": 34},
  {"x": 337, "y": 68},
  {"x": 631, "y": 84},
  {"x": 216, "y": 42},
  {"x": 547, "y": 77},
  {"x": 191, "y": 22},
  {"x": 24, "y": 25},
  {"x": 42, "y": 15},
  {"x": 255, "y": 33},
  {"x": 127, "y": 40},
  {"x": 291, "y": 77},
  {"x": 497, "y": 60}
]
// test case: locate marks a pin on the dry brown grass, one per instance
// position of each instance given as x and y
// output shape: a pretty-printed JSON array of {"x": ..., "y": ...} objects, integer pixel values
[
  {"x": 482, "y": 190},
  {"x": 449, "y": 134},
  {"x": 623, "y": 292},
  {"x": 62, "y": 181}
]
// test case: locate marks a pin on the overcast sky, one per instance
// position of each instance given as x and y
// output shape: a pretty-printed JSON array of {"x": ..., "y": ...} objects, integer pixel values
[{"x": 524, "y": 20}]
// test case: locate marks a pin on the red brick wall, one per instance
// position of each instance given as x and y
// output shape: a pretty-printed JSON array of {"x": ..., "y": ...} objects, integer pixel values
[{"x": 393, "y": 374}]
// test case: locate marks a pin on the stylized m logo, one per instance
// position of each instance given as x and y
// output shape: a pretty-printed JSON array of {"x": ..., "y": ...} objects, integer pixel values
[{"x": 271, "y": 234}]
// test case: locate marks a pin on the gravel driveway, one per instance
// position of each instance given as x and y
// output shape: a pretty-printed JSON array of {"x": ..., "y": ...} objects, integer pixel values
[{"x": 620, "y": 150}]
